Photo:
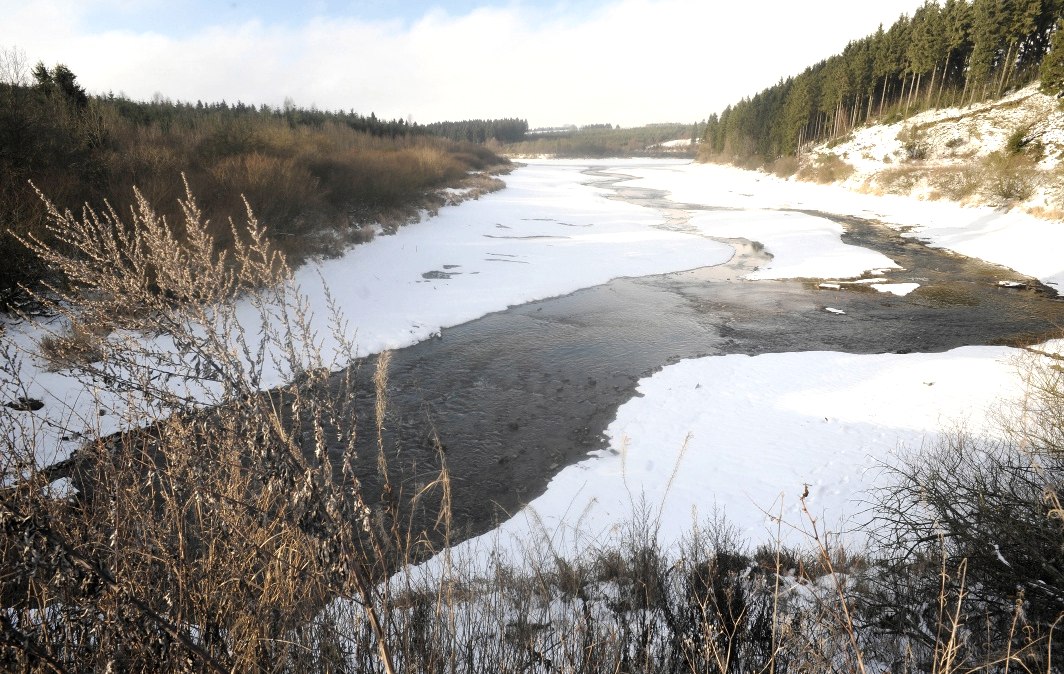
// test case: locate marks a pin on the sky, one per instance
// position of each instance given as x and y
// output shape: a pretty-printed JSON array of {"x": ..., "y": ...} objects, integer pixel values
[{"x": 623, "y": 62}]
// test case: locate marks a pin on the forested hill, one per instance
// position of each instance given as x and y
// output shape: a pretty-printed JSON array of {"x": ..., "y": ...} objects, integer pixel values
[
  {"x": 948, "y": 54},
  {"x": 313, "y": 177}
]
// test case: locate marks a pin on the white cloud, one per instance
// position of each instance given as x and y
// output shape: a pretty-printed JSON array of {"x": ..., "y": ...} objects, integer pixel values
[{"x": 628, "y": 62}]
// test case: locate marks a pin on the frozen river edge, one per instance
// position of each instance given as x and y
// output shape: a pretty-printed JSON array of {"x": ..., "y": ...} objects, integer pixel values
[
  {"x": 518, "y": 395},
  {"x": 557, "y": 229}
]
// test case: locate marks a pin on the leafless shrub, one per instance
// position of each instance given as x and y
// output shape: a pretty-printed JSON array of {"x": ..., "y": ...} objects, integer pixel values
[
  {"x": 958, "y": 183},
  {"x": 900, "y": 180},
  {"x": 825, "y": 168},
  {"x": 784, "y": 167},
  {"x": 214, "y": 537},
  {"x": 1010, "y": 177},
  {"x": 975, "y": 523}
]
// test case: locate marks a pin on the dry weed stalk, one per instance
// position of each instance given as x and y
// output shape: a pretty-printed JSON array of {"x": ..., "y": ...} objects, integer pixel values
[{"x": 216, "y": 532}]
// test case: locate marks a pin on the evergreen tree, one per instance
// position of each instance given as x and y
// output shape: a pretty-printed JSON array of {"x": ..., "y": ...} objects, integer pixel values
[
  {"x": 41, "y": 75},
  {"x": 67, "y": 82},
  {"x": 62, "y": 79},
  {"x": 1052, "y": 72},
  {"x": 957, "y": 28},
  {"x": 796, "y": 113},
  {"x": 988, "y": 23},
  {"x": 1021, "y": 21},
  {"x": 926, "y": 48}
]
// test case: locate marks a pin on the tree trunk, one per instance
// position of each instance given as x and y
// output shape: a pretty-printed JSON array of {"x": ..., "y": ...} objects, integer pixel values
[
  {"x": 1006, "y": 69},
  {"x": 931, "y": 87},
  {"x": 909, "y": 96},
  {"x": 945, "y": 74}
]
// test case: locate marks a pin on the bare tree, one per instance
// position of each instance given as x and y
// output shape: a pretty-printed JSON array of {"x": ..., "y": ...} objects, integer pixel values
[{"x": 14, "y": 68}]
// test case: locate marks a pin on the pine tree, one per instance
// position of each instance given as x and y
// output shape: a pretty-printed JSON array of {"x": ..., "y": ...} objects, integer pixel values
[
  {"x": 67, "y": 82},
  {"x": 957, "y": 28},
  {"x": 926, "y": 46},
  {"x": 1052, "y": 72},
  {"x": 987, "y": 36},
  {"x": 1021, "y": 21}
]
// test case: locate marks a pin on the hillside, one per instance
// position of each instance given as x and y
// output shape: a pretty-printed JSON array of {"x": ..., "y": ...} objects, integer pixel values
[
  {"x": 1007, "y": 153},
  {"x": 318, "y": 180}
]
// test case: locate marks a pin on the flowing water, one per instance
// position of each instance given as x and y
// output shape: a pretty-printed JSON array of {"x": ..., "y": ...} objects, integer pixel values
[{"x": 509, "y": 399}]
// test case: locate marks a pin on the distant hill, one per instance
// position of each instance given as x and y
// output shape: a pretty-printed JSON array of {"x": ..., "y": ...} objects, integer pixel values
[{"x": 603, "y": 140}]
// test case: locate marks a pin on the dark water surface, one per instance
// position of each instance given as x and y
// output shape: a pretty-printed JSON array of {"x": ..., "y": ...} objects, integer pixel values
[{"x": 516, "y": 395}]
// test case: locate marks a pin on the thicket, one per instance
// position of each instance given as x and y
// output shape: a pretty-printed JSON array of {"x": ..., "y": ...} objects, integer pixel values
[
  {"x": 603, "y": 140},
  {"x": 232, "y": 529},
  {"x": 314, "y": 176},
  {"x": 950, "y": 54}
]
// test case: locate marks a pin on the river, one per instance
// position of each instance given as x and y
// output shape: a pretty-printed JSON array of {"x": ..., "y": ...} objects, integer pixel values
[{"x": 513, "y": 397}]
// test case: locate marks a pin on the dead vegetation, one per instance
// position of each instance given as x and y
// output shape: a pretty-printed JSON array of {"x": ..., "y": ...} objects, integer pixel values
[
  {"x": 235, "y": 530},
  {"x": 825, "y": 168}
]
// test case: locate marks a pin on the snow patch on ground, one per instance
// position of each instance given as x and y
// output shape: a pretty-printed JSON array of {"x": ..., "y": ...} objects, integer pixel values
[
  {"x": 746, "y": 436},
  {"x": 1013, "y": 239},
  {"x": 801, "y": 245},
  {"x": 899, "y": 289}
]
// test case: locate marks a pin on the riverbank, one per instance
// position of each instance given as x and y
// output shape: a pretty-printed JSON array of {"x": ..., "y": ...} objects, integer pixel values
[{"x": 526, "y": 392}]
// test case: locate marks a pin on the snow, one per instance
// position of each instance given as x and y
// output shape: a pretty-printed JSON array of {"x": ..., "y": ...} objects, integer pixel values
[
  {"x": 801, "y": 245},
  {"x": 1014, "y": 239},
  {"x": 899, "y": 289},
  {"x": 744, "y": 435}
]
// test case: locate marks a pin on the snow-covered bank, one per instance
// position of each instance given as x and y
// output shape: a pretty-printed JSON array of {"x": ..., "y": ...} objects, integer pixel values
[
  {"x": 1014, "y": 239},
  {"x": 802, "y": 246},
  {"x": 745, "y": 436},
  {"x": 759, "y": 427},
  {"x": 546, "y": 234}
]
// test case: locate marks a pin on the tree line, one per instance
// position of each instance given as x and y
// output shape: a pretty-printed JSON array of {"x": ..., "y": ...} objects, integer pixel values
[
  {"x": 481, "y": 130},
  {"x": 955, "y": 53},
  {"x": 312, "y": 176},
  {"x": 605, "y": 140}
]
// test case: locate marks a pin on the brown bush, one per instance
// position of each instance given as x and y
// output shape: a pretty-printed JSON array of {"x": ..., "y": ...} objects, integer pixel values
[
  {"x": 307, "y": 180},
  {"x": 1010, "y": 177},
  {"x": 825, "y": 168},
  {"x": 784, "y": 167}
]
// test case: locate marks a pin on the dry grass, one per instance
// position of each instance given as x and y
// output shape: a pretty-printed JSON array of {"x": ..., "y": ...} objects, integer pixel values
[
  {"x": 311, "y": 183},
  {"x": 212, "y": 538},
  {"x": 784, "y": 167},
  {"x": 952, "y": 182},
  {"x": 824, "y": 169},
  {"x": 237, "y": 531}
]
